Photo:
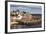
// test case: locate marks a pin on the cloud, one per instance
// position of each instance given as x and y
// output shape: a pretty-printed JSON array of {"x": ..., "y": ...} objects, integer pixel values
[{"x": 33, "y": 9}]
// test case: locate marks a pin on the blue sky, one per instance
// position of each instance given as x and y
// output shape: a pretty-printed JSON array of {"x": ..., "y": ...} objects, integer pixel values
[{"x": 31, "y": 9}]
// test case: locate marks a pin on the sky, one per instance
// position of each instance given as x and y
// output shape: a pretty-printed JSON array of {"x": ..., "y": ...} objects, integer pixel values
[{"x": 31, "y": 9}]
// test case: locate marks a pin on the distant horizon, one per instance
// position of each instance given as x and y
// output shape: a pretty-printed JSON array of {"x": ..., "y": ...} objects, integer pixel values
[{"x": 30, "y": 9}]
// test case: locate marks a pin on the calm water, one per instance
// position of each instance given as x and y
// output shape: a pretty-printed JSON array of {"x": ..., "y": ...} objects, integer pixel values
[
  {"x": 25, "y": 26},
  {"x": 36, "y": 14}
]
